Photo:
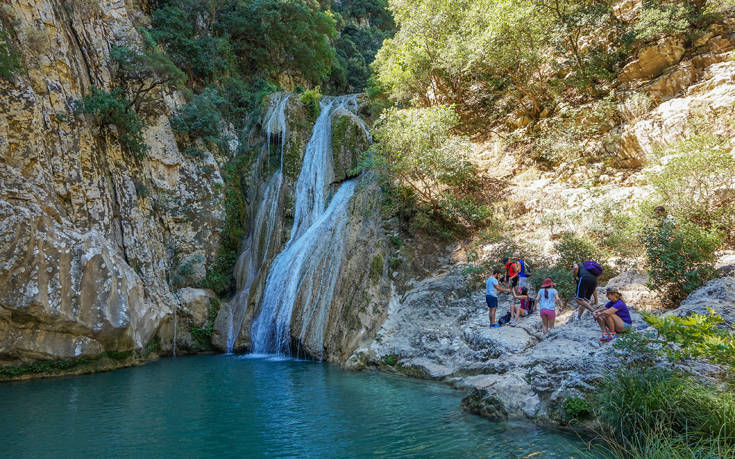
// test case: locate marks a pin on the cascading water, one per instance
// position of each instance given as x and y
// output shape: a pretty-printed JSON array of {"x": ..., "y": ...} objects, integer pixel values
[
  {"x": 308, "y": 267},
  {"x": 263, "y": 223}
]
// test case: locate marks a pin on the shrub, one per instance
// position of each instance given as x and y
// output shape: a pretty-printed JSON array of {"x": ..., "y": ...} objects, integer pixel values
[
  {"x": 698, "y": 182},
  {"x": 660, "y": 18},
  {"x": 562, "y": 275},
  {"x": 312, "y": 98},
  {"x": 111, "y": 108},
  {"x": 220, "y": 277},
  {"x": 9, "y": 62},
  {"x": 203, "y": 335},
  {"x": 201, "y": 117},
  {"x": 697, "y": 336},
  {"x": 577, "y": 408},
  {"x": 680, "y": 258},
  {"x": 572, "y": 248}
]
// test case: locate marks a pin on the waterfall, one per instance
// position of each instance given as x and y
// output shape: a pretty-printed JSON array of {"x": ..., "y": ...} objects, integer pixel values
[
  {"x": 263, "y": 221},
  {"x": 308, "y": 267}
]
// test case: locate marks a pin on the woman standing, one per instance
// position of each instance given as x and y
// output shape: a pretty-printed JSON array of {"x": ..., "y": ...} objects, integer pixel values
[{"x": 547, "y": 299}]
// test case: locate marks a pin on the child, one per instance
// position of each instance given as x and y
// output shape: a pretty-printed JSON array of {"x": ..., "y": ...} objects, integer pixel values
[
  {"x": 492, "y": 287},
  {"x": 511, "y": 276},
  {"x": 547, "y": 299},
  {"x": 516, "y": 311},
  {"x": 614, "y": 317}
]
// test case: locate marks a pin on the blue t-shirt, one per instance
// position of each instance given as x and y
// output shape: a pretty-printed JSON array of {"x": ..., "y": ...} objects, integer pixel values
[
  {"x": 622, "y": 310},
  {"x": 490, "y": 286}
]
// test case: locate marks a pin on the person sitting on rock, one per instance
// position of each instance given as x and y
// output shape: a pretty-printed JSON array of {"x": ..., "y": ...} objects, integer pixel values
[
  {"x": 519, "y": 310},
  {"x": 586, "y": 288},
  {"x": 614, "y": 317},
  {"x": 547, "y": 299},
  {"x": 492, "y": 287}
]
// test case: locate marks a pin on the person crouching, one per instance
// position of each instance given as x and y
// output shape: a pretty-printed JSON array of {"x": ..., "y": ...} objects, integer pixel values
[{"x": 614, "y": 317}]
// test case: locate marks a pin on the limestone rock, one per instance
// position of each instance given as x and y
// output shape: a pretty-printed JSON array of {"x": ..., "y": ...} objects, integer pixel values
[
  {"x": 636, "y": 294},
  {"x": 717, "y": 294},
  {"x": 668, "y": 123},
  {"x": 91, "y": 235},
  {"x": 652, "y": 60}
]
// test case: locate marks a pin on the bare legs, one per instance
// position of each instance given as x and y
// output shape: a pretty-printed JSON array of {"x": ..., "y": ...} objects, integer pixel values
[
  {"x": 516, "y": 312},
  {"x": 491, "y": 315},
  {"x": 583, "y": 304},
  {"x": 611, "y": 323}
]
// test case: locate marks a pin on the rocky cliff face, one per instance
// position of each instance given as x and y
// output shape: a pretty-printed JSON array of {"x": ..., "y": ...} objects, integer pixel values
[{"x": 90, "y": 235}]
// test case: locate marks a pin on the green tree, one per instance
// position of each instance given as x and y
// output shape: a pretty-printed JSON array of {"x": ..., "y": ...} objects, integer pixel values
[
  {"x": 111, "y": 108},
  {"x": 144, "y": 71},
  {"x": 416, "y": 150}
]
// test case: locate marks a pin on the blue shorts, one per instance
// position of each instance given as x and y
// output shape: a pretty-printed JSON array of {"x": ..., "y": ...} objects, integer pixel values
[{"x": 492, "y": 301}]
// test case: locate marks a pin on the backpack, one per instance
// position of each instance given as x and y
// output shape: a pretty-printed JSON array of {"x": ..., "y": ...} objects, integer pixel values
[
  {"x": 531, "y": 306},
  {"x": 505, "y": 319},
  {"x": 593, "y": 267}
]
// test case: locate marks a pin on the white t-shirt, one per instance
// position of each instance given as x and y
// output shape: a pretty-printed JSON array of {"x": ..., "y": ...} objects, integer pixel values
[{"x": 547, "y": 303}]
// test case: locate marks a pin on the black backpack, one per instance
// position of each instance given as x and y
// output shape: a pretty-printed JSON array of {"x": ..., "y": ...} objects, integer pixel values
[
  {"x": 531, "y": 305},
  {"x": 505, "y": 319}
]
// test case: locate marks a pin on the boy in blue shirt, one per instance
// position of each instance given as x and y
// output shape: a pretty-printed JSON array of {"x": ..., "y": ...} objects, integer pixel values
[{"x": 492, "y": 287}]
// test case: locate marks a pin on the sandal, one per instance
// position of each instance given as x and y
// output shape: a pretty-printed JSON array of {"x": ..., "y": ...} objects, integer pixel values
[{"x": 605, "y": 338}]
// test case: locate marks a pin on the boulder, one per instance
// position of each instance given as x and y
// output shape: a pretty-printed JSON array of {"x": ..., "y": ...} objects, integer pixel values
[
  {"x": 717, "y": 294},
  {"x": 653, "y": 59}
]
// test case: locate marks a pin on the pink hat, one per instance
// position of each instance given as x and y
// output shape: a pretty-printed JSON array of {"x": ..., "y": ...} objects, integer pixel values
[{"x": 548, "y": 283}]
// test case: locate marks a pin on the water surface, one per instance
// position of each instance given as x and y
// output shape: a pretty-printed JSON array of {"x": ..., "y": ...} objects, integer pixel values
[{"x": 231, "y": 406}]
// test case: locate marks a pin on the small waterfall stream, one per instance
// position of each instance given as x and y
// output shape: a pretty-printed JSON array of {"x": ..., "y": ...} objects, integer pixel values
[
  {"x": 308, "y": 268},
  {"x": 257, "y": 246}
]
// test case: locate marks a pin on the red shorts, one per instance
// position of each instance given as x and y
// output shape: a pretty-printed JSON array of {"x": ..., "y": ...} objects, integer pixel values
[{"x": 548, "y": 313}]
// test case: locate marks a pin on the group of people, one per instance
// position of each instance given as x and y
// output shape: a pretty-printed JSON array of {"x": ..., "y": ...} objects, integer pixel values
[{"x": 613, "y": 317}]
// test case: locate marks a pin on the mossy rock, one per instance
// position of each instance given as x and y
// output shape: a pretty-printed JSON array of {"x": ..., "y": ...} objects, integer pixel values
[
  {"x": 300, "y": 126},
  {"x": 349, "y": 142}
]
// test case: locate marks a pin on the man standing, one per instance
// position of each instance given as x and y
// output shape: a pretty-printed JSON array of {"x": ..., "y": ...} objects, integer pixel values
[{"x": 492, "y": 287}]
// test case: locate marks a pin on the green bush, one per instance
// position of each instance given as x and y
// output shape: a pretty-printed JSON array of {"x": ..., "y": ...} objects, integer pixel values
[
  {"x": 312, "y": 98},
  {"x": 636, "y": 405},
  {"x": 572, "y": 248},
  {"x": 9, "y": 62},
  {"x": 201, "y": 117},
  {"x": 112, "y": 108},
  {"x": 696, "y": 336},
  {"x": 577, "y": 408},
  {"x": 697, "y": 182},
  {"x": 660, "y": 18},
  {"x": 680, "y": 258},
  {"x": 560, "y": 274}
]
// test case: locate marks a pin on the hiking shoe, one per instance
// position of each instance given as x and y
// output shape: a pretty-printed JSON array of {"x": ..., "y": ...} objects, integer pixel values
[
  {"x": 605, "y": 338},
  {"x": 512, "y": 323},
  {"x": 613, "y": 336},
  {"x": 494, "y": 325}
]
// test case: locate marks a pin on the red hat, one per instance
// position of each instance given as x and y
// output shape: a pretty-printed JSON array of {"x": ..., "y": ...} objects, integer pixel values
[{"x": 548, "y": 283}]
